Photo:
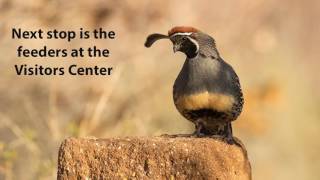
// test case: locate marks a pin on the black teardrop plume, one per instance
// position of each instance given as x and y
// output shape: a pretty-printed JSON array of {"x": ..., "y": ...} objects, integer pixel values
[{"x": 153, "y": 38}]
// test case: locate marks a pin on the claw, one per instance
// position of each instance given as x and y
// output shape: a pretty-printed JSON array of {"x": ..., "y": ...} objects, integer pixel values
[
  {"x": 229, "y": 140},
  {"x": 198, "y": 134}
]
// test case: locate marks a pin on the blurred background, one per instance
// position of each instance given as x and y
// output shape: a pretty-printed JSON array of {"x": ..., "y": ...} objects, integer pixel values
[{"x": 273, "y": 45}]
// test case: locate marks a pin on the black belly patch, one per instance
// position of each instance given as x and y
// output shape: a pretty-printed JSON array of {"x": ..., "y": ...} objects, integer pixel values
[{"x": 206, "y": 114}]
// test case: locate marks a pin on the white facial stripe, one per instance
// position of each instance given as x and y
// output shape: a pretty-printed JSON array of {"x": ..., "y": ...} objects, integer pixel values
[
  {"x": 179, "y": 33},
  {"x": 194, "y": 42}
]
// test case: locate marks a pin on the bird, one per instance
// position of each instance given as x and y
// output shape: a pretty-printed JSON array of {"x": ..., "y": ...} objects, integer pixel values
[{"x": 207, "y": 90}]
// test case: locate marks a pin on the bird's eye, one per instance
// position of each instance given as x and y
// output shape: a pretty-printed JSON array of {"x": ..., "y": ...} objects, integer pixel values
[{"x": 184, "y": 38}]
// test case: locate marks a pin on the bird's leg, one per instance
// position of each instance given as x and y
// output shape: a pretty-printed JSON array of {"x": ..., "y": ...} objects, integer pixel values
[
  {"x": 199, "y": 128},
  {"x": 228, "y": 133}
]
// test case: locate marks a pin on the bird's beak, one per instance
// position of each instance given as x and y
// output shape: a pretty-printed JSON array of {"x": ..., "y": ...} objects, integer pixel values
[{"x": 176, "y": 47}]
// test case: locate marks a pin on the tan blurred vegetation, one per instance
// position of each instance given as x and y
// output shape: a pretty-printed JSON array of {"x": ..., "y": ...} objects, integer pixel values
[{"x": 273, "y": 45}]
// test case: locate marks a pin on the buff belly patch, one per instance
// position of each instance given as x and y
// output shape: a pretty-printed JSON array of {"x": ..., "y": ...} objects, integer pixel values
[{"x": 205, "y": 100}]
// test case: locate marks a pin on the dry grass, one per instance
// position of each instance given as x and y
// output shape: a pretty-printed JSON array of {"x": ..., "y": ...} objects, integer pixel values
[{"x": 273, "y": 46}]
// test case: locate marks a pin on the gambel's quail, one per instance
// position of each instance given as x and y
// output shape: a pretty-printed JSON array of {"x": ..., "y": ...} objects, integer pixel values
[{"x": 207, "y": 90}]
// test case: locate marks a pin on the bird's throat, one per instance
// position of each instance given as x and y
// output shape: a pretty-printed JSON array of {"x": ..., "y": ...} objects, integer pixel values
[{"x": 192, "y": 51}]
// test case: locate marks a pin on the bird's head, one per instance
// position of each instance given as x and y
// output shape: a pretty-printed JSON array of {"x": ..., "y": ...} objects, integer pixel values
[{"x": 188, "y": 40}]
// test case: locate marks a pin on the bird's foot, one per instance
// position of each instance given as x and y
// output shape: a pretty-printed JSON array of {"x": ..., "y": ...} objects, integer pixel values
[
  {"x": 229, "y": 140},
  {"x": 168, "y": 135},
  {"x": 198, "y": 134}
]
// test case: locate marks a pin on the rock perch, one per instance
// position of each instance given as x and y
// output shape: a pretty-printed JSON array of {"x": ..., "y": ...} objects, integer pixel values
[{"x": 152, "y": 158}]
